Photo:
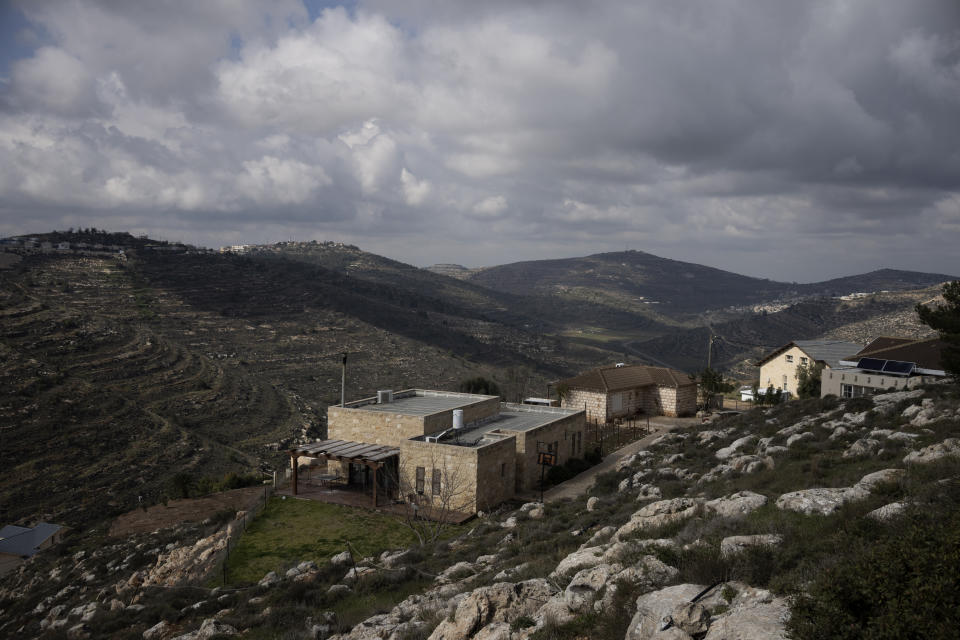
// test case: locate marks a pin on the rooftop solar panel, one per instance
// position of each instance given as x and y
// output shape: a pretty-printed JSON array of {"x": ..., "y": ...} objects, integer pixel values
[
  {"x": 871, "y": 364},
  {"x": 898, "y": 368}
]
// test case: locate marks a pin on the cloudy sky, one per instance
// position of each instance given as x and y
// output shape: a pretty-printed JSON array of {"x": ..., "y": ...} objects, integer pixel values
[{"x": 790, "y": 140}]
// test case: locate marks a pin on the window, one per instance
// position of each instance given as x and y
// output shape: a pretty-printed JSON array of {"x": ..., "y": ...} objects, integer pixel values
[
  {"x": 803, "y": 360},
  {"x": 436, "y": 482},
  {"x": 846, "y": 391},
  {"x": 784, "y": 383},
  {"x": 421, "y": 474},
  {"x": 503, "y": 469},
  {"x": 789, "y": 358}
]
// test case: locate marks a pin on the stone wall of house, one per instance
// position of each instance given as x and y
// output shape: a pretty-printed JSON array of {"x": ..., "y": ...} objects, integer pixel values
[
  {"x": 677, "y": 401},
  {"x": 472, "y": 478},
  {"x": 372, "y": 427},
  {"x": 832, "y": 381},
  {"x": 357, "y": 424},
  {"x": 593, "y": 402},
  {"x": 563, "y": 432}
]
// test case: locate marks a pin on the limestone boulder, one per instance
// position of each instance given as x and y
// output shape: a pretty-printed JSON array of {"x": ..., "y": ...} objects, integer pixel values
[
  {"x": 733, "y": 545},
  {"x": 585, "y": 586},
  {"x": 949, "y": 447},
  {"x": 819, "y": 501},
  {"x": 592, "y": 503},
  {"x": 159, "y": 631},
  {"x": 502, "y": 602},
  {"x": 580, "y": 559},
  {"x": 691, "y": 618},
  {"x": 871, "y": 481},
  {"x": 660, "y": 513},
  {"x": 862, "y": 448},
  {"x": 800, "y": 437},
  {"x": 655, "y": 609},
  {"x": 735, "y": 446},
  {"x": 648, "y": 574},
  {"x": 888, "y": 511},
  {"x": 342, "y": 559},
  {"x": 736, "y": 505},
  {"x": 750, "y": 464},
  {"x": 754, "y": 614}
]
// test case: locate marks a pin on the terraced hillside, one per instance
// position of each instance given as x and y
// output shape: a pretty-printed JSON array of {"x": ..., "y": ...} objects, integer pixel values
[
  {"x": 98, "y": 407},
  {"x": 121, "y": 372}
]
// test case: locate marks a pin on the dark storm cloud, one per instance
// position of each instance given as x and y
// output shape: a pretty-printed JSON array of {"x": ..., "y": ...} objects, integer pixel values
[{"x": 747, "y": 134}]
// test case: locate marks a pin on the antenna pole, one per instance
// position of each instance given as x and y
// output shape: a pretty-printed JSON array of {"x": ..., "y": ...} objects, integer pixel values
[{"x": 343, "y": 381}]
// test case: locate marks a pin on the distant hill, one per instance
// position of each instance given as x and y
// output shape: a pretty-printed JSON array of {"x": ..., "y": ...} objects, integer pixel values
[
  {"x": 672, "y": 286},
  {"x": 452, "y": 270}
]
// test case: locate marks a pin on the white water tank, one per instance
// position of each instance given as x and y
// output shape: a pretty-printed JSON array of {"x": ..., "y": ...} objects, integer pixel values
[
  {"x": 458, "y": 418},
  {"x": 384, "y": 397}
]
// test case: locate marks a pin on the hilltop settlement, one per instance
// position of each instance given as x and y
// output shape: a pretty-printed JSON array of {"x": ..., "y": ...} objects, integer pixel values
[{"x": 306, "y": 441}]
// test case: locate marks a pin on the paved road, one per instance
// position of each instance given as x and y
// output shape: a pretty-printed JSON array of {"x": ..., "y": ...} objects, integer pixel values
[{"x": 581, "y": 483}]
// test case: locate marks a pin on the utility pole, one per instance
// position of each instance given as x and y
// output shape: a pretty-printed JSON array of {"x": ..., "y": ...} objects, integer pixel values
[{"x": 343, "y": 381}]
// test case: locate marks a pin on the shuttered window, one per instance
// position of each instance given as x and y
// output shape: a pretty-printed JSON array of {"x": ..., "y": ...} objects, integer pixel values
[
  {"x": 436, "y": 482},
  {"x": 421, "y": 475}
]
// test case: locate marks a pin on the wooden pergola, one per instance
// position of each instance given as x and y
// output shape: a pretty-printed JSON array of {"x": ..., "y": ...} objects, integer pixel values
[{"x": 373, "y": 456}]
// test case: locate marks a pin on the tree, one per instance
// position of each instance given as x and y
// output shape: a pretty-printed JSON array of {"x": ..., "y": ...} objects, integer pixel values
[
  {"x": 436, "y": 490},
  {"x": 709, "y": 384},
  {"x": 480, "y": 385},
  {"x": 945, "y": 319},
  {"x": 808, "y": 380}
]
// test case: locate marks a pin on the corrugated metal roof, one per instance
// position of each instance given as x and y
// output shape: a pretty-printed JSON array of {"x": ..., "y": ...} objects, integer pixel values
[
  {"x": 23, "y": 541},
  {"x": 614, "y": 378},
  {"x": 829, "y": 351}
]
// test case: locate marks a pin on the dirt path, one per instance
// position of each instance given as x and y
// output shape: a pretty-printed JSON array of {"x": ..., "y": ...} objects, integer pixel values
[
  {"x": 177, "y": 511},
  {"x": 581, "y": 483}
]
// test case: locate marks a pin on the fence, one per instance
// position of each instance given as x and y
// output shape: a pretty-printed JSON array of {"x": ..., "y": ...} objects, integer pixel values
[
  {"x": 235, "y": 529},
  {"x": 611, "y": 435}
]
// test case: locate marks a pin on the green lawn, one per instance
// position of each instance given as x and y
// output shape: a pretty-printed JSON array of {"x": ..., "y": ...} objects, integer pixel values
[{"x": 291, "y": 531}]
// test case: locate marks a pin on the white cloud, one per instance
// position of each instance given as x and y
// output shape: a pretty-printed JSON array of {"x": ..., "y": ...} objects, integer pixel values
[
  {"x": 415, "y": 191},
  {"x": 491, "y": 207},
  {"x": 693, "y": 131}
]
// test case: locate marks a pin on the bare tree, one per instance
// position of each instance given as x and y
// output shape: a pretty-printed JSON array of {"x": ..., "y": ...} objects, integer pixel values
[{"x": 436, "y": 491}]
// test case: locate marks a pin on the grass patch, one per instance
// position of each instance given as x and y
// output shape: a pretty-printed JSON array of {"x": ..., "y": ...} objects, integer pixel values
[{"x": 291, "y": 531}]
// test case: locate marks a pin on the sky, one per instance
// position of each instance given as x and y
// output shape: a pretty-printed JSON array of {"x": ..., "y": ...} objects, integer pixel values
[{"x": 796, "y": 141}]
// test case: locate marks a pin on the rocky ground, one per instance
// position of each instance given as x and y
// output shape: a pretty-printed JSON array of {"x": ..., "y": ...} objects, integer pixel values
[{"x": 735, "y": 529}]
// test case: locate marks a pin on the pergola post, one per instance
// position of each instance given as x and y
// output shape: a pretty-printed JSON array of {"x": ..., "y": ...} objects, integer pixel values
[
  {"x": 293, "y": 462},
  {"x": 375, "y": 487}
]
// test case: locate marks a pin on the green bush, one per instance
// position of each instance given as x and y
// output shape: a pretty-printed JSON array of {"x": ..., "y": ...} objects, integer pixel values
[{"x": 903, "y": 585}]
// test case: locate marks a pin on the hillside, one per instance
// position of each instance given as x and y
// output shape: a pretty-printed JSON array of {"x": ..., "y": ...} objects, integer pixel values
[
  {"x": 817, "y": 518},
  {"x": 121, "y": 371},
  {"x": 751, "y": 336},
  {"x": 636, "y": 280}
]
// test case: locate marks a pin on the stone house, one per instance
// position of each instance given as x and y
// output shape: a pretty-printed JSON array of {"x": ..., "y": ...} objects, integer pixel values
[
  {"x": 619, "y": 391},
  {"x": 778, "y": 369},
  {"x": 885, "y": 363},
  {"x": 460, "y": 451}
]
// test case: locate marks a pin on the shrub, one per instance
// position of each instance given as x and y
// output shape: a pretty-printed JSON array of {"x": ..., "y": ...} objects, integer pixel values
[{"x": 902, "y": 585}]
